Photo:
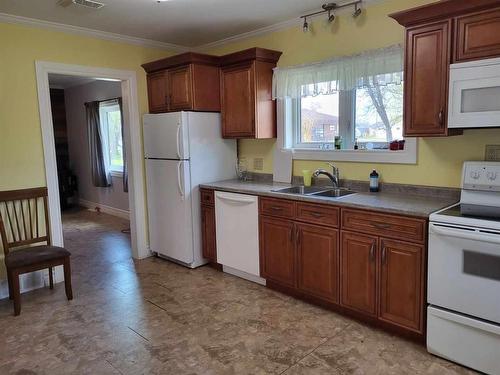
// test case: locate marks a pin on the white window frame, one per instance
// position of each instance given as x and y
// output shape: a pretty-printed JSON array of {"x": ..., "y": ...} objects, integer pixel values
[
  {"x": 289, "y": 113},
  {"x": 104, "y": 108}
]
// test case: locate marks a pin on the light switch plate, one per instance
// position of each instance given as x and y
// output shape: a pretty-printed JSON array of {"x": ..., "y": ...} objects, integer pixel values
[
  {"x": 258, "y": 164},
  {"x": 492, "y": 153}
]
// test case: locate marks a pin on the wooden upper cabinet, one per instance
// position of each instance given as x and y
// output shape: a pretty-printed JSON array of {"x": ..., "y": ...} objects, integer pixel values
[
  {"x": 317, "y": 261},
  {"x": 190, "y": 81},
  {"x": 477, "y": 36},
  {"x": 402, "y": 284},
  {"x": 157, "y": 92},
  {"x": 358, "y": 272},
  {"x": 237, "y": 84},
  {"x": 277, "y": 250},
  {"x": 426, "y": 79},
  {"x": 179, "y": 88},
  {"x": 248, "y": 110}
]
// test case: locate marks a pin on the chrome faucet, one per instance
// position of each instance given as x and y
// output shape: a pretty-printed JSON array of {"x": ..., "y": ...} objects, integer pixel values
[{"x": 334, "y": 176}]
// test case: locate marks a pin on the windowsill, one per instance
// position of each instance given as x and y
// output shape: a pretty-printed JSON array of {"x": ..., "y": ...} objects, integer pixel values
[
  {"x": 116, "y": 174},
  {"x": 406, "y": 156}
]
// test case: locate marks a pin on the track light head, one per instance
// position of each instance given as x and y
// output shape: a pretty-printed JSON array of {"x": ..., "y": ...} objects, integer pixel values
[
  {"x": 357, "y": 11},
  {"x": 305, "y": 26},
  {"x": 331, "y": 17}
]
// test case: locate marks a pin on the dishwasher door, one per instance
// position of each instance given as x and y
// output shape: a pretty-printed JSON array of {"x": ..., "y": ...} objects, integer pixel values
[{"x": 237, "y": 233}]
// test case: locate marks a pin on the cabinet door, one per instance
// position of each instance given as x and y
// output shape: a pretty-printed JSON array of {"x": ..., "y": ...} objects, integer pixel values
[
  {"x": 478, "y": 36},
  {"x": 317, "y": 261},
  {"x": 358, "y": 272},
  {"x": 238, "y": 101},
  {"x": 208, "y": 233},
  {"x": 277, "y": 250},
  {"x": 157, "y": 92},
  {"x": 426, "y": 79},
  {"x": 401, "y": 283},
  {"x": 180, "y": 89}
]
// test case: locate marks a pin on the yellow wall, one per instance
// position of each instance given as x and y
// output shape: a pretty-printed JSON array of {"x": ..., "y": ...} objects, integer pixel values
[
  {"x": 21, "y": 151},
  {"x": 439, "y": 160}
]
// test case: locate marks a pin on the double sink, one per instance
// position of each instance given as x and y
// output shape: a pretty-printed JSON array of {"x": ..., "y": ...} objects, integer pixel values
[{"x": 317, "y": 191}]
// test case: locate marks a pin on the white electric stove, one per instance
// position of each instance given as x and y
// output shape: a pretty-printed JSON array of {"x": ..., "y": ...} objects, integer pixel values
[{"x": 463, "y": 316}]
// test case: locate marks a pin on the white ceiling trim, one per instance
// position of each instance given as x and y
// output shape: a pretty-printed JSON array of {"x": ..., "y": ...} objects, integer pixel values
[
  {"x": 83, "y": 31},
  {"x": 294, "y": 22}
]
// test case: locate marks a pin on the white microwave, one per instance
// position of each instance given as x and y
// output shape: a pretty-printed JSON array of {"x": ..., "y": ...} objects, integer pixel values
[{"x": 474, "y": 94}]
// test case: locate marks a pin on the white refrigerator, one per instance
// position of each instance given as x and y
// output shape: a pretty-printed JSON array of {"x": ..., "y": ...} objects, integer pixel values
[{"x": 182, "y": 150}]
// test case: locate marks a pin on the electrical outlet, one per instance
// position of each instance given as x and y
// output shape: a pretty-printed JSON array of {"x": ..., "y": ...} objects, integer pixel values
[
  {"x": 258, "y": 164},
  {"x": 492, "y": 153}
]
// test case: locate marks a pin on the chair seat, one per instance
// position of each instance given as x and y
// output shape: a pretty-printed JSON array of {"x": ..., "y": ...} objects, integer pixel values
[{"x": 34, "y": 255}]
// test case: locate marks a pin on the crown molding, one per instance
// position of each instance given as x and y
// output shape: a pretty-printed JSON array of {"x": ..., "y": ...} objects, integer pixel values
[
  {"x": 294, "y": 22},
  {"x": 83, "y": 31}
]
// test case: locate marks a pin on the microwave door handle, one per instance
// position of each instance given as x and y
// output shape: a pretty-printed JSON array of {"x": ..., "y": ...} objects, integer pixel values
[{"x": 465, "y": 234}]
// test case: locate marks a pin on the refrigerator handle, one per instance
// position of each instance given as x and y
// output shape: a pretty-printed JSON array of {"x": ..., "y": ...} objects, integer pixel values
[
  {"x": 178, "y": 140},
  {"x": 179, "y": 183}
]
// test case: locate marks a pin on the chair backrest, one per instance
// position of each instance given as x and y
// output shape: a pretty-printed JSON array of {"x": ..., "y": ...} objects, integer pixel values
[{"x": 24, "y": 218}]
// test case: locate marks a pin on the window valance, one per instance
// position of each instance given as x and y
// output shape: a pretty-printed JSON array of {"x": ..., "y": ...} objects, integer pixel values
[{"x": 371, "y": 68}]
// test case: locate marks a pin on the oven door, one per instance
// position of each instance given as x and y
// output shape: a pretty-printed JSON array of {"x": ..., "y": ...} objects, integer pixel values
[
  {"x": 464, "y": 270},
  {"x": 473, "y": 94}
]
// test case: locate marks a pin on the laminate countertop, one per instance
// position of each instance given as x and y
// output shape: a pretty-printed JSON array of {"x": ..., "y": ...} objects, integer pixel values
[{"x": 399, "y": 203}]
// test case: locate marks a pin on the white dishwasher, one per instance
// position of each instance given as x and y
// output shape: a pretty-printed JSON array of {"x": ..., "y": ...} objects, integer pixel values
[{"x": 237, "y": 230}]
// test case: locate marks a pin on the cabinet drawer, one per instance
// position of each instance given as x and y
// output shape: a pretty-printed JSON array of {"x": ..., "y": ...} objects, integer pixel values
[
  {"x": 319, "y": 214},
  {"x": 207, "y": 197},
  {"x": 277, "y": 207},
  {"x": 391, "y": 226}
]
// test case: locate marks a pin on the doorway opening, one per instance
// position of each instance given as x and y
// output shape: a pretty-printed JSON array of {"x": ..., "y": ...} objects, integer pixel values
[{"x": 117, "y": 87}]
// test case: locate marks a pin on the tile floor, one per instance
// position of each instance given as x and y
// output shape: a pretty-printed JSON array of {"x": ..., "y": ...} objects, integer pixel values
[{"x": 154, "y": 317}]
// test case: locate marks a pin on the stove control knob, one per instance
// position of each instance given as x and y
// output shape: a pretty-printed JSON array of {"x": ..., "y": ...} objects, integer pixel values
[
  {"x": 492, "y": 176},
  {"x": 475, "y": 175}
]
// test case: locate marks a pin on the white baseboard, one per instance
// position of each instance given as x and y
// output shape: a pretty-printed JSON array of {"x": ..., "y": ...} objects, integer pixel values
[
  {"x": 32, "y": 281},
  {"x": 124, "y": 214}
]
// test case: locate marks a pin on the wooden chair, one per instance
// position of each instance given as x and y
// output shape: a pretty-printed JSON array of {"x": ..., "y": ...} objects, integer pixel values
[{"x": 25, "y": 232}]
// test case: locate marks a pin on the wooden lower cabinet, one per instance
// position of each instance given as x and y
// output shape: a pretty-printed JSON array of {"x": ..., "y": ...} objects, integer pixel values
[
  {"x": 317, "y": 261},
  {"x": 358, "y": 270},
  {"x": 277, "y": 250},
  {"x": 401, "y": 283},
  {"x": 208, "y": 246}
]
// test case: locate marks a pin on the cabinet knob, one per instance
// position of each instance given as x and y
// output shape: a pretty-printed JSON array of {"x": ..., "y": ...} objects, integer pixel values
[{"x": 441, "y": 116}]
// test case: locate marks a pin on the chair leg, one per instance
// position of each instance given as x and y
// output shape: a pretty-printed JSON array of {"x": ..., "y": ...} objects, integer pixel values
[
  {"x": 51, "y": 278},
  {"x": 9, "y": 280},
  {"x": 67, "y": 279},
  {"x": 16, "y": 291}
]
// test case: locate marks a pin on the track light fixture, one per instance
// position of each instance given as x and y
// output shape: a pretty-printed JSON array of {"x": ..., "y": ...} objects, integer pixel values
[{"x": 330, "y": 9}]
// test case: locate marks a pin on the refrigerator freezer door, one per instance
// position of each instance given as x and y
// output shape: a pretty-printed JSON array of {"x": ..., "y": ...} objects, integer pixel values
[
  {"x": 169, "y": 209},
  {"x": 166, "y": 136}
]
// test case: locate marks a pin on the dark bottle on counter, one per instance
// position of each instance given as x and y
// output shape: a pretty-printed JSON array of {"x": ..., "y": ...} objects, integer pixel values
[
  {"x": 356, "y": 146},
  {"x": 374, "y": 181}
]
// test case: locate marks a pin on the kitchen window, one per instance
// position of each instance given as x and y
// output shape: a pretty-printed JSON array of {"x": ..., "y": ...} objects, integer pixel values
[
  {"x": 363, "y": 106},
  {"x": 111, "y": 130}
]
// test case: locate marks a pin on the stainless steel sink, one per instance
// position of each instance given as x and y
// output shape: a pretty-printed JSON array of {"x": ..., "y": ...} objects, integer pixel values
[
  {"x": 317, "y": 191},
  {"x": 334, "y": 193},
  {"x": 303, "y": 190}
]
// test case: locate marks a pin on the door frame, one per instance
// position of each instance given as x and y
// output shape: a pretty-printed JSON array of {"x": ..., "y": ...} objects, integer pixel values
[{"x": 137, "y": 204}]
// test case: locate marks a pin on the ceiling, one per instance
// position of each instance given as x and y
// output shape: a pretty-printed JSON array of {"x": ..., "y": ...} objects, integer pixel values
[{"x": 187, "y": 23}]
